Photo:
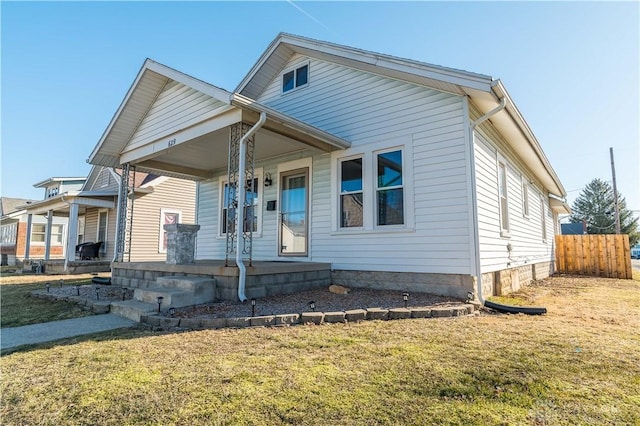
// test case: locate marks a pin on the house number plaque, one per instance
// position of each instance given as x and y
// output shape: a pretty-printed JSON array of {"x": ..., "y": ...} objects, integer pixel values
[{"x": 171, "y": 142}]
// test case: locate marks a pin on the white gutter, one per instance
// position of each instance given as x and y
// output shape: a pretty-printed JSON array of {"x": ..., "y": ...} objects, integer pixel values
[
  {"x": 242, "y": 277},
  {"x": 474, "y": 196}
]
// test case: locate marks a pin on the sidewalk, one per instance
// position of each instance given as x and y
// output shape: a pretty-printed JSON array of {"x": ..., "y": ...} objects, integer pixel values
[{"x": 50, "y": 331}]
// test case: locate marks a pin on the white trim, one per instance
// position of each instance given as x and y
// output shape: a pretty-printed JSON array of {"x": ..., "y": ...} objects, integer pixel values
[
  {"x": 543, "y": 220},
  {"x": 103, "y": 247},
  {"x": 295, "y": 69},
  {"x": 501, "y": 162},
  {"x": 222, "y": 181},
  {"x": 526, "y": 208},
  {"x": 303, "y": 163},
  {"x": 163, "y": 211},
  {"x": 368, "y": 153}
]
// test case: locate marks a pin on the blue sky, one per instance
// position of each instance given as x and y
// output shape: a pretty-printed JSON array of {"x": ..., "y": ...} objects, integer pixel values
[{"x": 572, "y": 68}]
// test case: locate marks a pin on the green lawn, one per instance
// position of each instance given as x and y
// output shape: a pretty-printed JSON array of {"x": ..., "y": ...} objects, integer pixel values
[
  {"x": 19, "y": 308},
  {"x": 576, "y": 365}
]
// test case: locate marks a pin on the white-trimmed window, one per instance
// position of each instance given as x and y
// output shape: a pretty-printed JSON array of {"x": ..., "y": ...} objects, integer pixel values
[
  {"x": 297, "y": 77},
  {"x": 167, "y": 217},
  {"x": 81, "y": 223},
  {"x": 525, "y": 198},
  {"x": 39, "y": 233},
  {"x": 103, "y": 227},
  {"x": 252, "y": 212},
  {"x": 543, "y": 219},
  {"x": 351, "y": 193},
  {"x": 8, "y": 233},
  {"x": 389, "y": 188},
  {"x": 503, "y": 197}
]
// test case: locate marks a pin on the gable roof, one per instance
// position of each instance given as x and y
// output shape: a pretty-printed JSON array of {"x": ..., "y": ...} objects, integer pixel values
[
  {"x": 144, "y": 90},
  {"x": 484, "y": 91},
  {"x": 10, "y": 205}
]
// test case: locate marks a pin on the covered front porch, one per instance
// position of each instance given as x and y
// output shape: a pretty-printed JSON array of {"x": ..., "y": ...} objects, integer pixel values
[
  {"x": 71, "y": 209},
  {"x": 262, "y": 278}
]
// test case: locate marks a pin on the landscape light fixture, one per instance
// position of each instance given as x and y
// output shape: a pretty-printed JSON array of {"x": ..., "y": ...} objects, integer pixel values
[
  {"x": 97, "y": 293},
  {"x": 77, "y": 287},
  {"x": 47, "y": 285},
  {"x": 159, "y": 299},
  {"x": 172, "y": 312},
  {"x": 469, "y": 296},
  {"x": 405, "y": 297},
  {"x": 253, "y": 307},
  {"x": 312, "y": 305},
  {"x": 61, "y": 282},
  {"x": 124, "y": 294}
]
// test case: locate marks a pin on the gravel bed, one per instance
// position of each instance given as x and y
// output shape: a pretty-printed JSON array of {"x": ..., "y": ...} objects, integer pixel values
[{"x": 324, "y": 300}]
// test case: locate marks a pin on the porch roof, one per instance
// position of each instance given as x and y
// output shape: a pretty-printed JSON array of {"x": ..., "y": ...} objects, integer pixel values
[
  {"x": 193, "y": 150},
  {"x": 61, "y": 203}
]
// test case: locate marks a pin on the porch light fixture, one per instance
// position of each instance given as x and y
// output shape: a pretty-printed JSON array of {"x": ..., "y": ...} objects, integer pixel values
[
  {"x": 159, "y": 299},
  {"x": 405, "y": 297},
  {"x": 267, "y": 179},
  {"x": 253, "y": 307},
  {"x": 172, "y": 312},
  {"x": 312, "y": 305},
  {"x": 48, "y": 286}
]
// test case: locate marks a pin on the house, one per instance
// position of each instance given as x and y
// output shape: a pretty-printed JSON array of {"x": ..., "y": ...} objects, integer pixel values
[
  {"x": 12, "y": 228},
  {"x": 15, "y": 222},
  {"x": 91, "y": 212},
  {"x": 366, "y": 169}
]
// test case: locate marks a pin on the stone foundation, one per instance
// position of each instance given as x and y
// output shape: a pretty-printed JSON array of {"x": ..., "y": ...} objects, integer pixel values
[
  {"x": 451, "y": 285},
  {"x": 505, "y": 281}
]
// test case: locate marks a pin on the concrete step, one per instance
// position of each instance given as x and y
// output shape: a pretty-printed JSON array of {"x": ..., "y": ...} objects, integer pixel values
[
  {"x": 171, "y": 298},
  {"x": 133, "y": 309},
  {"x": 193, "y": 284}
]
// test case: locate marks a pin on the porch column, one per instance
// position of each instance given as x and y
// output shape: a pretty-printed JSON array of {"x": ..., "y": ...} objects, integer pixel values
[
  {"x": 27, "y": 242},
  {"x": 47, "y": 240},
  {"x": 72, "y": 235}
]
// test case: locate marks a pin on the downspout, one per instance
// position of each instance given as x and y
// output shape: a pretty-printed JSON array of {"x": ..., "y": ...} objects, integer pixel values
[
  {"x": 472, "y": 126},
  {"x": 241, "y": 192}
]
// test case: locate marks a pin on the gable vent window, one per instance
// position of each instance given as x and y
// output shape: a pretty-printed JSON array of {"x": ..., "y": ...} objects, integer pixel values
[{"x": 295, "y": 78}]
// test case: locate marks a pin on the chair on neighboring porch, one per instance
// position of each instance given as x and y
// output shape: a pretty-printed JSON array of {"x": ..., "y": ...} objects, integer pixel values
[{"x": 90, "y": 251}]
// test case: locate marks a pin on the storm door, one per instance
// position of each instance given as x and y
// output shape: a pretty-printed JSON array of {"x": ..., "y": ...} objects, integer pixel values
[{"x": 294, "y": 213}]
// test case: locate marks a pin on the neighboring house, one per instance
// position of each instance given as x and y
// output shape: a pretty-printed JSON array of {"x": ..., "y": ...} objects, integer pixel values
[
  {"x": 15, "y": 225},
  {"x": 578, "y": 228},
  {"x": 92, "y": 213},
  {"x": 398, "y": 173}
]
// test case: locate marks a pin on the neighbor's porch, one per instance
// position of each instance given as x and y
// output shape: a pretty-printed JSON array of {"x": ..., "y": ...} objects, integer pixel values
[{"x": 263, "y": 278}]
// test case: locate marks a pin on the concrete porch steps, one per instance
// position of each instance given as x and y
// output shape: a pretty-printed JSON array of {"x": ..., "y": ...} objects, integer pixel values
[
  {"x": 176, "y": 292},
  {"x": 133, "y": 309}
]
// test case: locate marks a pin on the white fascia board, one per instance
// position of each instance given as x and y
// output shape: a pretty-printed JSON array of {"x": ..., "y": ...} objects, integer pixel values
[
  {"x": 46, "y": 182},
  {"x": 516, "y": 116},
  {"x": 382, "y": 61},
  {"x": 245, "y": 102}
]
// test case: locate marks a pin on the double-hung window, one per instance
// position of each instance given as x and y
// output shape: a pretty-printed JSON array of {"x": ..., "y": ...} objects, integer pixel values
[
  {"x": 251, "y": 210},
  {"x": 503, "y": 198},
  {"x": 389, "y": 188},
  {"x": 295, "y": 78},
  {"x": 39, "y": 233},
  {"x": 351, "y": 193}
]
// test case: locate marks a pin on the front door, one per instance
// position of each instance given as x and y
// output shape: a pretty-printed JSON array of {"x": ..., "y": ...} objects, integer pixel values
[{"x": 294, "y": 213}]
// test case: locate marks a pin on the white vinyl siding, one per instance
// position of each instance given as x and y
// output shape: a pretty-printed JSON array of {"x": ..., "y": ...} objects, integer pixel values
[
  {"x": 171, "y": 194},
  {"x": 524, "y": 234},
  {"x": 373, "y": 113},
  {"x": 177, "y": 106}
]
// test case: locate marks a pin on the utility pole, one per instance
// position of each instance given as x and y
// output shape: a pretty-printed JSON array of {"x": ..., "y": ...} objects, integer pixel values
[{"x": 615, "y": 192}]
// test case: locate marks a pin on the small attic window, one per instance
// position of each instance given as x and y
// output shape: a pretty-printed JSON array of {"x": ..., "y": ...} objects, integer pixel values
[{"x": 295, "y": 78}]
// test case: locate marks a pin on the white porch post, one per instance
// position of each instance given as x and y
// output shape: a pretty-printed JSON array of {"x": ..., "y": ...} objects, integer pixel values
[
  {"x": 47, "y": 240},
  {"x": 27, "y": 242},
  {"x": 72, "y": 235}
]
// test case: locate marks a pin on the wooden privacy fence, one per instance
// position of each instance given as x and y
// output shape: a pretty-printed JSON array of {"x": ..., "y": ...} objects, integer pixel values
[{"x": 598, "y": 255}]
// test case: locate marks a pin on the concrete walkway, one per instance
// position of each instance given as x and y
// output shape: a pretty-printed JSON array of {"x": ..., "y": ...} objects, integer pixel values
[{"x": 50, "y": 331}]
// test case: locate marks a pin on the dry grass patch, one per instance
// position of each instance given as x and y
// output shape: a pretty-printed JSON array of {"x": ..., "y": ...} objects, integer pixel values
[
  {"x": 19, "y": 308},
  {"x": 576, "y": 365}
]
